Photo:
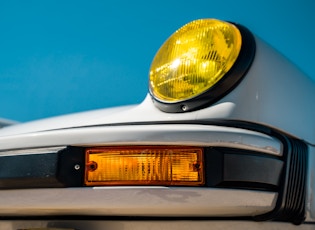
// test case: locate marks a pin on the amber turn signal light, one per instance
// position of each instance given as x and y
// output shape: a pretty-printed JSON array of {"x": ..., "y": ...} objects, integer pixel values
[{"x": 144, "y": 165}]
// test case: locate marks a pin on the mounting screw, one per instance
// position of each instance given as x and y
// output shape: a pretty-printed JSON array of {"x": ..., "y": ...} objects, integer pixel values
[
  {"x": 77, "y": 167},
  {"x": 184, "y": 107}
]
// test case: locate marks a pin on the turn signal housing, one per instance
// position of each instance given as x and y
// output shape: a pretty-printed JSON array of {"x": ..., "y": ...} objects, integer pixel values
[{"x": 144, "y": 166}]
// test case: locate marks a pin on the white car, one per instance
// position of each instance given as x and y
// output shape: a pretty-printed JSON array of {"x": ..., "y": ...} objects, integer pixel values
[{"x": 225, "y": 139}]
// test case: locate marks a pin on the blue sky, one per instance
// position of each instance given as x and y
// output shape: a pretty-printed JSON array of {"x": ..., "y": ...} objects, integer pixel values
[{"x": 59, "y": 57}]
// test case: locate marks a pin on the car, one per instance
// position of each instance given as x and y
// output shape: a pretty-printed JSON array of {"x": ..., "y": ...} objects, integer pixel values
[{"x": 224, "y": 139}]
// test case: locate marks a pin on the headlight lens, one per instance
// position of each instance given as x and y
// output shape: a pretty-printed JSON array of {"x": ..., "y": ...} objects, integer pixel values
[{"x": 192, "y": 61}]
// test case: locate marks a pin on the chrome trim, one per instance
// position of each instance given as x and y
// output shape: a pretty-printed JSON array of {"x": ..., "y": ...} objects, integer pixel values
[{"x": 136, "y": 201}]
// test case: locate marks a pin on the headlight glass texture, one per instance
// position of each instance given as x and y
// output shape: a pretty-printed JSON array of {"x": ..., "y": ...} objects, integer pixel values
[{"x": 194, "y": 59}]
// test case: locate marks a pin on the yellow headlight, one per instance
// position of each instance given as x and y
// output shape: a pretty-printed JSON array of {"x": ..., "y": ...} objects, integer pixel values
[{"x": 193, "y": 60}]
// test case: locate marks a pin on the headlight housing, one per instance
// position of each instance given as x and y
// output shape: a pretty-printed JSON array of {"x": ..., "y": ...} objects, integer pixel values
[{"x": 199, "y": 64}]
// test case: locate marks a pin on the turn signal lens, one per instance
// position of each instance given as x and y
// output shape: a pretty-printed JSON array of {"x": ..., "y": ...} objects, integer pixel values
[
  {"x": 194, "y": 59},
  {"x": 144, "y": 166}
]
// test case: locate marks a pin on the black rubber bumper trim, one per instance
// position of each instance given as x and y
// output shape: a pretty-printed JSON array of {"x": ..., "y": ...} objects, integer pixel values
[
  {"x": 291, "y": 201},
  {"x": 238, "y": 168},
  {"x": 52, "y": 169}
]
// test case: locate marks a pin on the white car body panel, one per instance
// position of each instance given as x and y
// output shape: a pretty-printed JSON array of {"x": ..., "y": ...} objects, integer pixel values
[
  {"x": 176, "y": 134},
  {"x": 273, "y": 94}
]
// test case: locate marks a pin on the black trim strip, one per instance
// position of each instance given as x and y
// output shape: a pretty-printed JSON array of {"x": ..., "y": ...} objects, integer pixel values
[
  {"x": 21, "y": 171},
  {"x": 238, "y": 168},
  {"x": 52, "y": 169},
  {"x": 218, "y": 122}
]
